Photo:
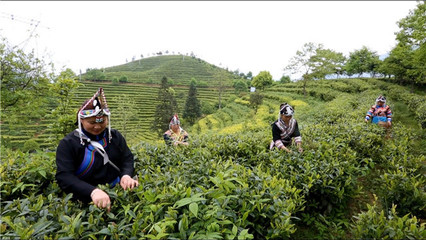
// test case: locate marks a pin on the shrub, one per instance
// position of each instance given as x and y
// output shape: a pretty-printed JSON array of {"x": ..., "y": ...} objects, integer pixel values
[
  {"x": 374, "y": 224},
  {"x": 30, "y": 146}
]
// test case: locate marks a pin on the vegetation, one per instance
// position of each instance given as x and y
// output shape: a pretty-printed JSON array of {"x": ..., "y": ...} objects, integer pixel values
[
  {"x": 192, "y": 105},
  {"x": 166, "y": 108},
  {"x": 351, "y": 181}
]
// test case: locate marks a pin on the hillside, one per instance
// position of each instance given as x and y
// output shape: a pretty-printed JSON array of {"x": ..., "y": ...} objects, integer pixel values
[
  {"x": 137, "y": 128},
  {"x": 179, "y": 69},
  {"x": 350, "y": 182}
]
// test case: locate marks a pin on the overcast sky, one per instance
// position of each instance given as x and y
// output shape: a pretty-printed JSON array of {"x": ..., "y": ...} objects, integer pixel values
[{"x": 245, "y": 35}]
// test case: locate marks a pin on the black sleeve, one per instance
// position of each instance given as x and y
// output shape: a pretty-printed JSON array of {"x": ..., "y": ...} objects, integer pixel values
[
  {"x": 65, "y": 177},
  {"x": 276, "y": 132},
  {"x": 127, "y": 161},
  {"x": 296, "y": 132},
  {"x": 167, "y": 139}
]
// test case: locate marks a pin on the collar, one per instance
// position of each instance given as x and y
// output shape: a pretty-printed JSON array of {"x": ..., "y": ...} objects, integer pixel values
[{"x": 94, "y": 137}]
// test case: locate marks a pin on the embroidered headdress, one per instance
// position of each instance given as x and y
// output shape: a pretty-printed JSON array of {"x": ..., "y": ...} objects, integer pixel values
[
  {"x": 380, "y": 99},
  {"x": 286, "y": 109},
  {"x": 95, "y": 107},
  {"x": 174, "y": 120}
]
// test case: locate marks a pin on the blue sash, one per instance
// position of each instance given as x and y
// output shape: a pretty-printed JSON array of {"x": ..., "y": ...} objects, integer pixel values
[
  {"x": 88, "y": 159},
  {"x": 377, "y": 119}
]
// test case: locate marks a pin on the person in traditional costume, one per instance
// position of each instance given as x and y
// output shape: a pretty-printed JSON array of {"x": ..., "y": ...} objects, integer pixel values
[
  {"x": 285, "y": 130},
  {"x": 175, "y": 135},
  {"x": 94, "y": 154},
  {"x": 380, "y": 113}
]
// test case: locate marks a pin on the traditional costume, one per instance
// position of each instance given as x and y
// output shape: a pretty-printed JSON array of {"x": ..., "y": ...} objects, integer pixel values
[
  {"x": 282, "y": 133},
  {"x": 84, "y": 160},
  {"x": 170, "y": 137},
  {"x": 379, "y": 113}
]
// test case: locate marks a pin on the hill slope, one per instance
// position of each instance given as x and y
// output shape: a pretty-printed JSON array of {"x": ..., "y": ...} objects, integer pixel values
[{"x": 177, "y": 68}]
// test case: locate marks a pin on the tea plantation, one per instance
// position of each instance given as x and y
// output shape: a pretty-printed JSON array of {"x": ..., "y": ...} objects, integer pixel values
[{"x": 350, "y": 182}]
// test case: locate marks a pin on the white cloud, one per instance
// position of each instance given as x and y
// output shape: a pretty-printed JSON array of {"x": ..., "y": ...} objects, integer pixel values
[{"x": 245, "y": 35}]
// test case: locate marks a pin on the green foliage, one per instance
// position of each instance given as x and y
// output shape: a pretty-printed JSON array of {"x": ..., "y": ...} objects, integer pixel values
[
  {"x": 285, "y": 79},
  {"x": 240, "y": 86},
  {"x": 123, "y": 79},
  {"x": 362, "y": 61},
  {"x": 125, "y": 111},
  {"x": 262, "y": 80},
  {"x": 30, "y": 145},
  {"x": 207, "y": 107},
  {"x": 62, "y": 90},
  {"x": 375, "y": 224},
  {"x": 256, "y": 100},
  {"x": 180, "y": 69},
  {"x": 411, "y": 39},
  {"x": 95, "y": 75},
  {"x": 192, "y": 109},
  {"x": 24, "y": 83},
  {"x": 166, "y": 108}
]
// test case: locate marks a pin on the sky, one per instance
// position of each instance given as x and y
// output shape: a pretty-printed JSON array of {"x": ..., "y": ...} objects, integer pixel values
[{"x": 239, "y": 35}]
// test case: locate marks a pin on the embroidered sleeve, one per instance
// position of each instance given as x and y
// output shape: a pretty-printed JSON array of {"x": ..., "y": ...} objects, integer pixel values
[
  {"x": 389, "y": 114},
  {"x": 167, "y": 139},
  {"x": 370, "y": 112},
  {"x": 275, "y": 133},
  {"x": 296, "y": 134}
]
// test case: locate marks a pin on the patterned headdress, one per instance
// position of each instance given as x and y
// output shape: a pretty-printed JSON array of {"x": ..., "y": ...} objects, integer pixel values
[
  {"x": 95, "y": 107},
  {"x": 174, "y": 120},
  {"x": 286, "y": 109},
  {"x": 380, "y": 99}
]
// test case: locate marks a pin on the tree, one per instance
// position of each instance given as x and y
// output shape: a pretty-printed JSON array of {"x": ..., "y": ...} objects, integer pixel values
[
  {"x": 249, "y": 75},
  {"x": 192, "y": 109},
  {"x": 413, "y": 36},
  {"x": 240, "y": 86},
  {"x": 63, "y": 90},
  {"x": 326, "y": 62},
  {"x": 125, "y": 111},
  {"x": 262, "y": 80},
  {"x": 95, "y": 75},
  {"x": 123, "y": 79},
  {"x": 24, "y": 83},
  {"x": 166, "y": 108},
  {"x": 256, "y": 99},
  {"x": 362, "y": 61},
  {"x": 398, "y": 62},
  {"x": 302, "y": 63},
  {"x": 285, "y": 79}
]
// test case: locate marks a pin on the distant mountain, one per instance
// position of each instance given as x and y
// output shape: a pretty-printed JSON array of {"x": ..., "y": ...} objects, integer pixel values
[{"x": 178, "y": 69}]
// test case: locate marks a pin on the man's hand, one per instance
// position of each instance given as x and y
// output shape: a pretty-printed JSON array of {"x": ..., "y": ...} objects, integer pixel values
[
  {"x": 101, "y": 199},
  {"x": 128, "y": 182},
  {"x": 365, "y": 120}
]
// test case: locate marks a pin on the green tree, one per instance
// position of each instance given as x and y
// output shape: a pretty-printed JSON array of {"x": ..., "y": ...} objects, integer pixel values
[
  {"x": 362, "y": 61},
  {"x": 165, "y": 109},
  {"x": 192, "y": 109},
  {"x": 123, "y": 79},
  {"x": 95, "y": 75},
  {"x": 413, "y": 35},
  {"x": 24, "y": 83},
  {"x": 240, "y": 86},
  {"x": 285, "y": 79},
  {"x": 302, "y": 63},
  {"x": 249, "y": 75},
  {"x": 63, "y": 90},
  {"x": 326, "y": 62},
  {"x": 30, "y": 146},
  {"x": 400, "y": 59},
  {"x": 256, "y": 99},
  {"x": 126, "y": 111},
  {"x": 262, "y": 80}
]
